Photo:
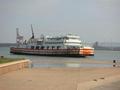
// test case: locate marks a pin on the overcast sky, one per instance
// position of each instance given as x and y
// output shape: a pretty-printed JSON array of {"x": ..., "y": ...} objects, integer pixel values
[{"x": 92, "y": 20}]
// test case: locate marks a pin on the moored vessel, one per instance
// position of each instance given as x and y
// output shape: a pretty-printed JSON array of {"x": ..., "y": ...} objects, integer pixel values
[{"x": 67, "y": 45}]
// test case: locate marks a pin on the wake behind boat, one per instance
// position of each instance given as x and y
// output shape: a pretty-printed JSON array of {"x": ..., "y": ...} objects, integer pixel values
[{"x": 67, "y": 45}]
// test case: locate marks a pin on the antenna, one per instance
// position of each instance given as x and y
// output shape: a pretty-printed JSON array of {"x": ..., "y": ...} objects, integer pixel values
[{"x": 32, "y": 32}]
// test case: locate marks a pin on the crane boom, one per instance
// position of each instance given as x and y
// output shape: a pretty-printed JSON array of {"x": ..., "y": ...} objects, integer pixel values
[{"x": 32, "y": 32}]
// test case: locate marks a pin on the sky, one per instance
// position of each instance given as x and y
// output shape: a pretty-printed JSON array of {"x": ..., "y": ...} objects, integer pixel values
[{"x": 92, "y": 20}]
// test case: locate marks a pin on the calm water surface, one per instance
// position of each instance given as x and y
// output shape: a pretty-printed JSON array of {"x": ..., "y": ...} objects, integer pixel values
[{"x": 45, "y": 61}]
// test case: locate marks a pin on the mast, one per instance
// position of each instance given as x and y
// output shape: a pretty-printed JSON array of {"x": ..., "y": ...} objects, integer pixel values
[
  {"x": 19, "y": 38},
  {"x": 17, "y": 35},
  {"x": 17, "y": 32},
  {"x": 32, "y": 32}
]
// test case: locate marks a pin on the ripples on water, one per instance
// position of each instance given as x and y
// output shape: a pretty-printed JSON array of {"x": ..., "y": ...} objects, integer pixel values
[{"x": 45, "y": 61}]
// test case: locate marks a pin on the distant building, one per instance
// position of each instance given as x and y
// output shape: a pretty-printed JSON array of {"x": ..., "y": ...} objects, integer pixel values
[{"x": 106, "y": 46}]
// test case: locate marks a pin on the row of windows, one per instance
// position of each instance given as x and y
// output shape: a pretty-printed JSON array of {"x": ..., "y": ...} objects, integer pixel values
[
  {"x": 39, "y": 42},
  {"x": 61, "y": 42},
  {"x": 43, "y": 47},
  {"x": 74, "y": 42},
  {"x": 53, "y": 42},
  {"x": 59, "y": 38}
]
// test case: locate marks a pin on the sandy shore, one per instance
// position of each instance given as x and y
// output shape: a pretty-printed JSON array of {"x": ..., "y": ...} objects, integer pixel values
[
  {"x": 109, "y": 86},
  {"x": 61, "y": 79}
]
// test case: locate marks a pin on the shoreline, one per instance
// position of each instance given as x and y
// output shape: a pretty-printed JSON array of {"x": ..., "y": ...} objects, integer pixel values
[
  {"x": 74, "y": 64},
  {"x": 58, "y": 78},
  {"x": 109, "y": 86},
  {"x": 9, "y": 67},
  {"x": 102, "y": 83}
]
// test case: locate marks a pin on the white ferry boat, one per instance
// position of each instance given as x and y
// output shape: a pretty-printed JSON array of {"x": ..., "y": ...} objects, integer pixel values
[{"x": 68, "y": 45}]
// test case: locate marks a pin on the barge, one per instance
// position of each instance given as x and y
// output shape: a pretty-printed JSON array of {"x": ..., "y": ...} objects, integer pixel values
[{"x": 67, "y": 45}]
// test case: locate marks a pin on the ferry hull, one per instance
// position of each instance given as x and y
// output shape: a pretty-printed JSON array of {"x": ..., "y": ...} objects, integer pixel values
[{"x": 55, "y": 52}]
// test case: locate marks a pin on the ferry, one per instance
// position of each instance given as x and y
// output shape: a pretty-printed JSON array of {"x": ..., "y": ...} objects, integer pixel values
[{"x": 67, "y": 45}]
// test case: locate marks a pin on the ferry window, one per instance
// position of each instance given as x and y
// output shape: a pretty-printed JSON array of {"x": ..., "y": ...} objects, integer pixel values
[
  {"x": 66, "y": 38},
  {"x": 32, "y": 47},
  {"x": 47, "y": 47},
  {"x": 81, "y": 46},
  {"x": 58, "y": 47},
  {"x": 73, "y": 47},
  {"x": 39, "y": 42},
  {"x": 37, "y": 47},
  {"x": 53, "y": 47},
  {"x": 42, "y": 47}
]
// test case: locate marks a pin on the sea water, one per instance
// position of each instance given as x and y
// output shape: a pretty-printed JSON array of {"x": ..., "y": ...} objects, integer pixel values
[{"x": 47, "y": 61}]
